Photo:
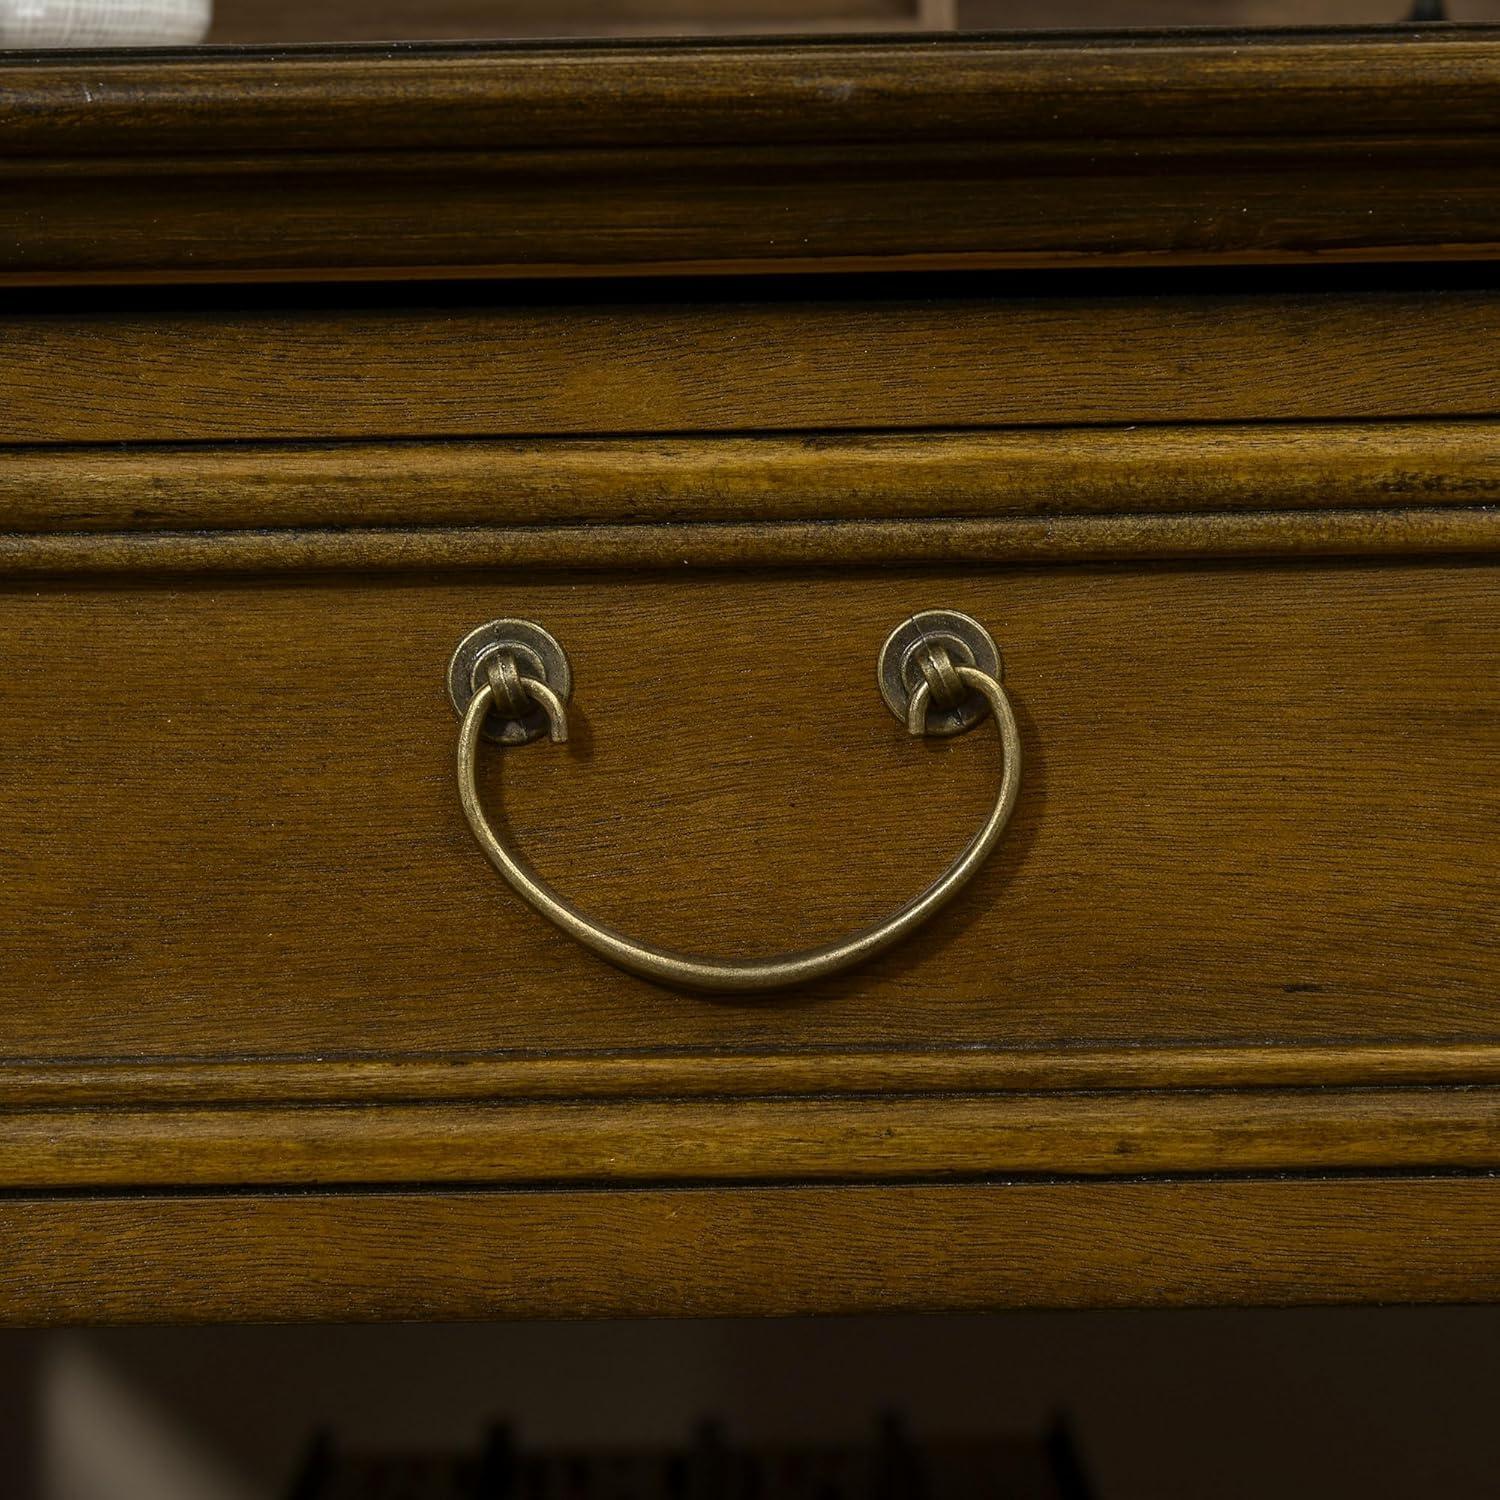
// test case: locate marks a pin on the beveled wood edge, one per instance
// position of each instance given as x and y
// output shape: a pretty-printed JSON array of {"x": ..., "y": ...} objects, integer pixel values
[
  {"x": 1059, "y": 86},
  {"x": 1434, "y": 531},
  {"x": 67, "y": 1083},
  {"x": 762, "y": 1251},
  {"x": 761, "y": 213},
  {"x": 968, "y": 1136},
  {"x": 964, "y": 474},
  {"x": 1226, "y": 149},
  {"x": 308, "y": 270}
]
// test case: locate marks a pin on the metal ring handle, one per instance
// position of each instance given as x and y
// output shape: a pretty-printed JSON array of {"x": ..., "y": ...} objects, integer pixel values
[{"x": 740, "y": 976}]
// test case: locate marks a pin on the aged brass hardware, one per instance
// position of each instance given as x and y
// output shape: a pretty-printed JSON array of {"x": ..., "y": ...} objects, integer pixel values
[
  {"x": 930, "y": 647},
  {"x": 518, "y": 650},
  {"x": 939, "y": 672}
]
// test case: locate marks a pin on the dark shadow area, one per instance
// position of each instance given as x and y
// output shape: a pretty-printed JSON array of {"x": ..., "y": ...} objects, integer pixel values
[{"x": 1382, "y": 1404}]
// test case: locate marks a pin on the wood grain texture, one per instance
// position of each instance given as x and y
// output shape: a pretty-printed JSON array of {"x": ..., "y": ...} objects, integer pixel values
[
  {"x": 459, "y": 368},
  {"x": 768, "y": 1251},
  {"x": 1244, "y": 922},
  {"x": 773, "y": 477},
  {"x": 534, "y": 161},
  {"x": 705, "y": 210},
  {"x": 1446, "y": 531},
  {"x": 1148, "y": 86},
  {"x": 640, "y": 1073},
  {"x": 413, "y": 161},
  {"x": 1257, "y": 806},
  {"x": 787, "y": 1140}
]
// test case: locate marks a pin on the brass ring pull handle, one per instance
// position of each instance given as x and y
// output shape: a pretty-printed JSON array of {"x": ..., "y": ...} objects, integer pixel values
[{"x": 940, "y": 672}]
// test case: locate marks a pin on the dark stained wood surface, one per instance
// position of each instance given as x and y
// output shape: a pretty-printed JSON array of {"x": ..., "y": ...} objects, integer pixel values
[
  {"x": 348, "y": 366},
  {"x": 1234, "y": 149},
  {"x": 1443, "y": 531},
  {"x": 769, "y": 1251},
  {"x": 828, "y": 499},
  {"x": 1335, "y": 84},
  {"x": 678, "y": 1074},
  {"x": 1222, "y": 470},
  {"x": 755, "y": 1140},
  {"x": 1256, "y": 807},
  {"x": 1244, "y": 923}
]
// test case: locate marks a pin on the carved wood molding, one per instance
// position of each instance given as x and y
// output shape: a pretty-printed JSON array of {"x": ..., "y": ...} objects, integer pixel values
[
  {"x": 413, "y": 161},
  {"x": 460, "y": 1077},
  {"x": 947, "y": 1137}
]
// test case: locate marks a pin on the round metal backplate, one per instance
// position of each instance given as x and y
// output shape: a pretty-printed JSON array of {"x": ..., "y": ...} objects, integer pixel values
[
  {"x": 537, "y": 654},
  {"x": 967, "y": 642}
]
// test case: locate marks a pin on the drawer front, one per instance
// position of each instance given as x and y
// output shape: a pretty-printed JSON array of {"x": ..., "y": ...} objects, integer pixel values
[
  {"x": 1216, "y": 1021},
  {"x": 350, "y": 367},
  {"x": 1258, "y": 804}
]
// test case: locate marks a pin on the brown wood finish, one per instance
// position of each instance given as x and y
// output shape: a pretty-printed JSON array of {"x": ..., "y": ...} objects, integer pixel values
[
  {"x": 795, "y": 1140},
  {"x": 769, "y": 1251},
  {"x": 1447, "y": 531},
  {"x": 375, "y": 368},
  {"x": 638, "y": 483},
  {"x": 1331, "y": 84},
  {"x": 430, "y": 162},
  {"x": 565, "y": 214},
  {"x": 639, "y": 1073},
  {"x": 1255, "y": 808},
  {"x": 1233, "y": 528}
]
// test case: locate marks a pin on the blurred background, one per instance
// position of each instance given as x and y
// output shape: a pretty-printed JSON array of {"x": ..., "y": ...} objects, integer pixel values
[
  {"x": 326, "y": 20},
  {"x": 146, "y": 22},
  {"x": 385, "y": 20},
  {"x": 1213, "y": 1405}
]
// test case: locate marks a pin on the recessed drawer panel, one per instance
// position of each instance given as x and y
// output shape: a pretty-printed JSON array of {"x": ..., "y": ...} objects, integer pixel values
[
  {"x": 1258, "y": 803},
  {"x": 348, "y": 366}
]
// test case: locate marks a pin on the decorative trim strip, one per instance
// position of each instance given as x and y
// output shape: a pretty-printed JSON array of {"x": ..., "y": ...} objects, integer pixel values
[
  {"x": 756, "y": 1140},
  {"x": 1140, "y": 85},
  {"x": 1025, "y": 474},
  {"x": 1069, "y": 539},
  {"x": 1227, "y": 148},
  {"x": 634, "y": 1075}
]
